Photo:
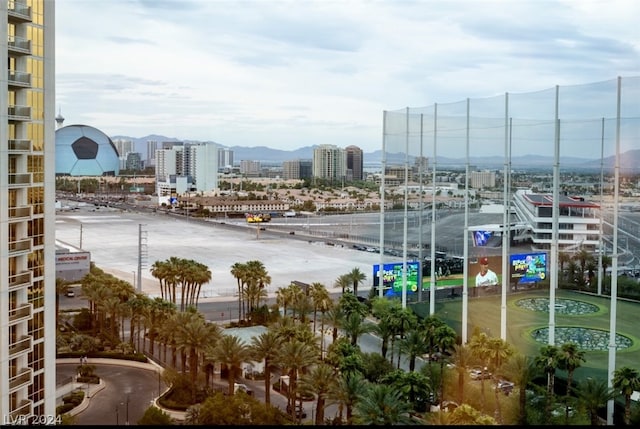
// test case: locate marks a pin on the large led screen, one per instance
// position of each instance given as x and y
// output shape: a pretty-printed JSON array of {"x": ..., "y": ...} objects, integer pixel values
[
  {"x": 392, "y": 277},
  {"x": 528, "y": 267}
]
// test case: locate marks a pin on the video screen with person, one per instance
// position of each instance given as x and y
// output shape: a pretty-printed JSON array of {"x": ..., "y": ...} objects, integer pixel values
[{"x": 481, "y": 238}]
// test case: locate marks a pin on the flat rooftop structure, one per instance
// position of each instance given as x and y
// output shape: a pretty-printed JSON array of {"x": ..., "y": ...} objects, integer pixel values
[{"x": 564, "y": 201}]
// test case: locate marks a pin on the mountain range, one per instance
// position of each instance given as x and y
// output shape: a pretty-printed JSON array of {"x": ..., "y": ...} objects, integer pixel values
[{"x": 629, "y": 160}]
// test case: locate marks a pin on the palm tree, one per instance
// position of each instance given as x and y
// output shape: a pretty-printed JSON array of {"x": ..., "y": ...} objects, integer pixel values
[
  {"x": 231, "y": 352},
  {"x": 318, "y": 381},
  {"x": 193, "y": 338},
  {"x": 461, "y": 358},
  {"x": 354, "y": 326},
  {"x": 499, "y": 352},
  {"x": 343, "y": 282},
  {"x": 350, "y": 385},
  {"x": 413, "y": 345},
  {"x": 626, "y": 380},
  {"x": 381, "y": 404},
  {"x": 356, "y": 276},
  {"x": 479, "y": 346},
  {"x": 321, "y": 300},
  {"x": 384, "y": 330},
  {"x": 570, "y": 359},
  {"x": 521, "y": 370},
  {"x": 256, "y": 278},
  {"x": 293, "y": 357},
  {"x": 594, "y": 395},
  {"x": 401, "y": 321},
  {"x": 335, "y": 317},
  {"x": 547, "y": 360},
  {"x": 444, "y": 339},
  {"x": 266, "y": 347},
  {"x": 238, "y": 271}
]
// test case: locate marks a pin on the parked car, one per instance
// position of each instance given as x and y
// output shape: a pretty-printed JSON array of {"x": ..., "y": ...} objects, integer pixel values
[
  {"x": 505, "y": 386},
  {"x": 70, "y": 293},
  {"x": 479, "y": 374}
]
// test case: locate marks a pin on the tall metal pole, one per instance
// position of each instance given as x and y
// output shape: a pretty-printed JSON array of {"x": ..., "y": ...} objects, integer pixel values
[
  {"x": 600, "y": 239},
  {"x": 80, "y": 236},
  {"x": 614, "y": 265},
  {"x": 465, "y": 243},
  {"x": 505, "y": 223},
  {"x": 405, "y": 213},
  {"x": 421, "y": 207},
  {"x": 555, "y": 211},
  {"x": 382, "y": 175},
  {"x": 432, "y": 289},
  {"x": 138, "y": 284}
]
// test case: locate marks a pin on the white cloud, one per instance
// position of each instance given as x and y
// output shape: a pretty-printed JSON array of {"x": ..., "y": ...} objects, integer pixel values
[{"x": 287, "y": 74}]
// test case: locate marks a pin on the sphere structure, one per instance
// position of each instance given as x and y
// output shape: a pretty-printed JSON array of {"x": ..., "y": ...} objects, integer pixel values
[{"x": 82, "y": 150}]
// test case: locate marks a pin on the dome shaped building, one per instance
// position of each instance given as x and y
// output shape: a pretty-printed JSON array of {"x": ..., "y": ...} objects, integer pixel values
[{"x": 82, "y": 150}]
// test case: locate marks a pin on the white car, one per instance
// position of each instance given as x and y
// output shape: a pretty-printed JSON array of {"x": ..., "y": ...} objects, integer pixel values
[
  {"x": 478, "y": 374},
  {"x": 505, "y": 386}
]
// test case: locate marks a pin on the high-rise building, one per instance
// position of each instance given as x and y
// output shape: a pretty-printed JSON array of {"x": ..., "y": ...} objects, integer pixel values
[
  {"x": 354, "y": 163},
  {"x": 225, "y": 158},
  {"x": 329, "y": 162},
  {"x": 150, "y": 160},
  {"x": 124, "y": 147},
  {"x": 27, "y": 212},
  {"x": 186, "y": 168},
  {"x": 250, "y": 168}
]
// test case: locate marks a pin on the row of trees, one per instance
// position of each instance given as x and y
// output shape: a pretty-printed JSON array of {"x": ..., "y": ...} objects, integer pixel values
[{"x": 368, "y": 388}]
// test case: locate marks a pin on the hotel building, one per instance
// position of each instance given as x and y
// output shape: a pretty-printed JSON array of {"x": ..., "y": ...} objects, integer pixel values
[
  {"x": 27, "y": 212},
  {"x": 578, "y": 221}
]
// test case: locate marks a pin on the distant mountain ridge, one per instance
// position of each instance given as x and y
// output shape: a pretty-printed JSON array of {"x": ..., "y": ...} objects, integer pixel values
[{"x": 629, "y": 161}]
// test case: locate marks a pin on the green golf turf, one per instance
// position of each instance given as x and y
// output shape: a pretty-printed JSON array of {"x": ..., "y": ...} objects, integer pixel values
[{"x": 485, "y": 313}]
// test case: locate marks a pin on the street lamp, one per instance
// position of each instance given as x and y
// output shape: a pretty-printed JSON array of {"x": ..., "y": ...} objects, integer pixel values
[{"x": 127, "y": 422}]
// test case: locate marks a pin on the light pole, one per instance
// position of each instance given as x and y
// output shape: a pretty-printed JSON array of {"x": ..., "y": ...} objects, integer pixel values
[
  {"x": 134, "y": 278},
  {"x": 117, "y": 417},
  {"x": 127, "y": 422}
]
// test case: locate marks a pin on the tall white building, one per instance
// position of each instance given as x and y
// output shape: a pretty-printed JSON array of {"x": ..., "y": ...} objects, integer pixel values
[
  {"x": 124, "y": 147},
  {"x": 225, "y": 158},
  {"x": 27, "y": 212},
  {"x": 329, "y": 162},
  {"x": 192, "y": 167},
  {"x": 150, "y": 160}
]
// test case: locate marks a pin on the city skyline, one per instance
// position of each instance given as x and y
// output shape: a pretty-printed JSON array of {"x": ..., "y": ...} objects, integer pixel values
[{"x": 288, "y": 75}]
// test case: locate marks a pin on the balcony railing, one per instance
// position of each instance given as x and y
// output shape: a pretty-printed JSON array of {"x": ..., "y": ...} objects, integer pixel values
[
  {"x": 24, "y": 409},
  {"x": 19, "y": 45},
  {"x": 16, "y": 146},
  {"x": 20, "y": 313},
  {"x": 19, "y": 280},
  {"x": 18, "y": 78},
  {"x": 19, "y": 11},
  {"x": 24, "y": 377},
  {"x": 19, "y": 213},
  {"x": 19, "y": 113},
  {"x": 17, "y": 180},
  {"x": 23, "y": 345},
  {"x": 19, "y": 246}
]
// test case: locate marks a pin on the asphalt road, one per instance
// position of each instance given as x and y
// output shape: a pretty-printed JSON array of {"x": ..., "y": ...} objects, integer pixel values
[{"x": 127, "y": 394}]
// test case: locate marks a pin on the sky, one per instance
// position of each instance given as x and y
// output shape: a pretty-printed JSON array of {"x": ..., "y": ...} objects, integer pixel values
[{"x": 296, "y": 73}]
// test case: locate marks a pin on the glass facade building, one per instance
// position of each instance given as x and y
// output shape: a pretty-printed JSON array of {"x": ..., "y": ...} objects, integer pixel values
[{"x": 27, "y": 212}]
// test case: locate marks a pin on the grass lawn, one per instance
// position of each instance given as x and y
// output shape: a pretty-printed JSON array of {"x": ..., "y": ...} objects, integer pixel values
[{"x": 485, "y": 314}]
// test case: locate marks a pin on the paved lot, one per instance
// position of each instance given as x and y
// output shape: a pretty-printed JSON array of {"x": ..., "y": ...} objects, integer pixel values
[{"x": 112, "y": 238}]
